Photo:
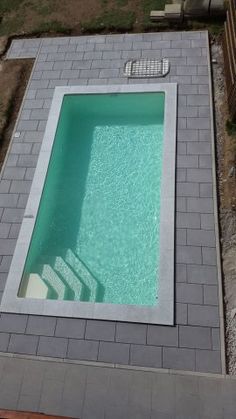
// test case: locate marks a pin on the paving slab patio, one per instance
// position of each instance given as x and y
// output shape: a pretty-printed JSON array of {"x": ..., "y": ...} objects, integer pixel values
[
  {"x": 87, "y": 391},
  {"x": 195, "y": 342}
]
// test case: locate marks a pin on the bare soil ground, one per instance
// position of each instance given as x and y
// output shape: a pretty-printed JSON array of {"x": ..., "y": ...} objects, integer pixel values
[
  {"x": 33, "y": 16},
  {"x": 14, "y": 76}
]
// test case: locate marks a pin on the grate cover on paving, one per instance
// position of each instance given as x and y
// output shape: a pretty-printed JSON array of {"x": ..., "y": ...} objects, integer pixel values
[{"x": 147, "y": 68}]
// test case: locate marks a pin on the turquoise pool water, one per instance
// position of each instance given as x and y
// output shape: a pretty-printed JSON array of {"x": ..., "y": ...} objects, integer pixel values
[{"x": 96, "y": 236}]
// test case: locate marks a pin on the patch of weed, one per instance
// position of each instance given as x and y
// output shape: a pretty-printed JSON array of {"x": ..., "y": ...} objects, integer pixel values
[
  {"x": 216, "y": 29},
  {"x": 231, "y": 128},
  {"x": 54, "y": 26},
  {"x": 11, "y": 25},
  {"x": 43, "y": 8},
  {"x": 112, "y": 20},
  {"x": 121, "y": 3},
  {"x": 9, "y": 5},
  {"x": 149, "y": 5},
  {"x": 148, "y": 26}
]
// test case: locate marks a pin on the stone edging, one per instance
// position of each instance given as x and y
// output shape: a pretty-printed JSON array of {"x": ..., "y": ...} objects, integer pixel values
[{"x": 216, "y": 214}]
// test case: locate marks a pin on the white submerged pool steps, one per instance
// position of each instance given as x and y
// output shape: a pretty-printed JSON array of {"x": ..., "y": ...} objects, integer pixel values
[
  {"x": 51, "y": 278},
  {"x": 82, "y": 271},
  {"x": 63, "y": 275},
  {"x": 36, "y": 287},
  {"x": 68, "y": 276}
]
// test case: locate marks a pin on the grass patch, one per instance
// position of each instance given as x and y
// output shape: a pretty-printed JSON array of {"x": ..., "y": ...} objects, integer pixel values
[
  {"x": 215, "y": 28},
  {"x": 11, "y": 25},
  {"x": 53, "y": 26},
  {"x": 148, "y": 26},
  {"x": 7, "y": 6},
  {"x": 231, "y": 128},
  {"x": 113, "y": 20},
  {"x": 149, "y": 5},
  {"x": 121, "y": 3},
  {"x": 43, "y": 8}
]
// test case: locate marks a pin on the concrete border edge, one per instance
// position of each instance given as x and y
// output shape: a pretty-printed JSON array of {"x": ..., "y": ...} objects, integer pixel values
[{"x": 216, "y": 213}]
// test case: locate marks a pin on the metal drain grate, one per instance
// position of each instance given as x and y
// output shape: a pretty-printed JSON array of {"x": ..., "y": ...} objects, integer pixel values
[{"x": 147, "y": 68}]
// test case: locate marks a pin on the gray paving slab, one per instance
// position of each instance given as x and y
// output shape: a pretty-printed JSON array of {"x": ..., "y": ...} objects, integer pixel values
[
  {"x": 10, "y": 215},
  {"x": 23, "y": 344},
  {"x": 162, "y": 335},
  {"x": 206, "y": 190},
  {"x": 179, "y": 358},
  {"x": 203, "y": 315},
  {"x": 99, "y": 60},
  {"x": 39, "y": 325},
  {"x": 83, "y": 349},
  {"x": 100, "y": 330},
  {"x": 205, "y": 162},
  {"x": 4, "y": 341},
  {"x": 195, "y": 337},
  {"x": 202, "y": 274},
  {"x": 211, "y": 294},
  {"x": 15, "y": 323},
  {"x": 147, "y": 356},
  {"x": 52, "y": 346},
  {"x": 209, "y": 358},
  {"x": 117, "y": 353},
  {"x": 131, "y": 333},
  {"x": 209, "y": 256},
  {"x": 181, "y": 236},
  {"x": 70, "y": 328},
  {"x": 189, "y": 293}
]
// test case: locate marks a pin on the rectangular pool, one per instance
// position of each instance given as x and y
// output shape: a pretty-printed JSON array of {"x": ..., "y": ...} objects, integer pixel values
[{"x": 97, "y": 239}]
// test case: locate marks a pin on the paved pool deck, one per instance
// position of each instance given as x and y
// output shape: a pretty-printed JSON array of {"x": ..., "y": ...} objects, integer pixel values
[
  {"x": 107, "y": 392},
  {"x": 196, "y": 342}
]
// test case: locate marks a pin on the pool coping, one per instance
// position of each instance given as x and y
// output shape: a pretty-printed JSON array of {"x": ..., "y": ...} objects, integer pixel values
[{"x": 163, "y": 312}]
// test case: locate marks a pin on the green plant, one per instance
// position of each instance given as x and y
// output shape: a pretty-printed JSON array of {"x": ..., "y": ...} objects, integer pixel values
[
  {"x": 149, "y": 5},
  {"x": 196, "y": 25},
  {"x": 148, "y": 26},
  {"x": 54, "y": 26},
  {"x": 231, "y": 128},
  {"x": 11, "y": 25},
  {"x": 121, "y": 3},
  {"x": 42, "y": 8},
  {"x": 216, "y": 29},
  {"x": 112, "y": 20},
  {"x": 9, "y": 5}
]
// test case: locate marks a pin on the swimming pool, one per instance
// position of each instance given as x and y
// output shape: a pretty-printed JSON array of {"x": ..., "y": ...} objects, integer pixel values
[{"x": 97, "y": 239}]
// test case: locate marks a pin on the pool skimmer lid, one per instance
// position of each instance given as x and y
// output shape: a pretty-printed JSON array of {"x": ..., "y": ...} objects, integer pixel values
[{"x": 147, "y": 68}]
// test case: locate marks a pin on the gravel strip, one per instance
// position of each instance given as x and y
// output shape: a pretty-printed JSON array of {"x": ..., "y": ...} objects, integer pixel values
[{"x": 227, "y": 216}]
